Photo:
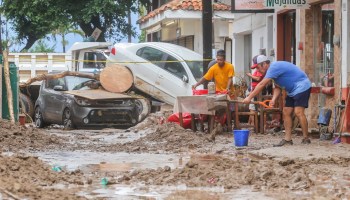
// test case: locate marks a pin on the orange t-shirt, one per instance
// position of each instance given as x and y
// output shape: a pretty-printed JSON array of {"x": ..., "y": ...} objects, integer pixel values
[{"x": 221, "y": 75}]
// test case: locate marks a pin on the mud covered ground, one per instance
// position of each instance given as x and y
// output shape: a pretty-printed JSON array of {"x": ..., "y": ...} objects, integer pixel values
[{"x": 203, "y": 161}]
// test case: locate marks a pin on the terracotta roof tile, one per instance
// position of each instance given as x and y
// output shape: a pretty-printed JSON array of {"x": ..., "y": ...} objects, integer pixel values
[{"x": 195, "y": 5}]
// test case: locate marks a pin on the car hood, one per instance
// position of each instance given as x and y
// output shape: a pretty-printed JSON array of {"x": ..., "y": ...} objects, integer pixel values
[{"x": 98, "y": 94}]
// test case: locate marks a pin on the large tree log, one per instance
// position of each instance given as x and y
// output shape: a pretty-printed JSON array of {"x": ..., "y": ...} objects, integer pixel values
[
  {"x": 113, "y": 78},
  {"x": 116, "y": 78},
  {"x": 59, "y": 75},
  {"x": 8, "y": 86}
]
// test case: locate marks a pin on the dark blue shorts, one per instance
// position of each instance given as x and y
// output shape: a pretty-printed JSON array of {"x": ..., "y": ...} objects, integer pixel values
[{"x": 299, "y": 100}]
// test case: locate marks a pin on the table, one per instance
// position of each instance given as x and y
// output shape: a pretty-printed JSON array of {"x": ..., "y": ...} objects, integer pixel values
[{"x": 202, "y": 104}]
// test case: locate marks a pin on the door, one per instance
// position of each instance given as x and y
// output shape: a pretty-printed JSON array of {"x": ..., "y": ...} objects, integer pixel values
[
  {"x": 247, "y": 55},
  {"x": 172, "y": 80},
  {"x": 53, "y": 101},
  {"x": 147, "y": 72},
  {"x": 286, "y": 37}
]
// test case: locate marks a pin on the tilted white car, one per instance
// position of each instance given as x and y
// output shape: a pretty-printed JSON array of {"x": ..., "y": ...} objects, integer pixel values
[{"x": 160, "y": 70}]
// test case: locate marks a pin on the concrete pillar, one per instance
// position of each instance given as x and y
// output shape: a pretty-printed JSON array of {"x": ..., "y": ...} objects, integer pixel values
[
  {"x": 345, "y": 46},
  {"x": 345, "y": 60}
]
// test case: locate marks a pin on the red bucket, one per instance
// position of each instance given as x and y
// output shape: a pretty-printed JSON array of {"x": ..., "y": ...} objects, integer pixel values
[
  {"x": 205, "y": 91},
  {"x": 199, "y": 92}
]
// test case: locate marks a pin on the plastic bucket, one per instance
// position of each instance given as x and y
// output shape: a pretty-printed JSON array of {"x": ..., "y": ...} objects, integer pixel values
[
  {"x": 241, "y": 137},
  {"x": 199, "y": 92}
]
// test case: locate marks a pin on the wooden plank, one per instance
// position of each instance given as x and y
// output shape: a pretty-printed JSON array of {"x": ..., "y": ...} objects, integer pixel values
[
  {"x": 193, "y": 122},
  {"x": 181, "y": 119}
]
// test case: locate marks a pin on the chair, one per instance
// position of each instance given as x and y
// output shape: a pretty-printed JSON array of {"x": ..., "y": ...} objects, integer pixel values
[
  {"x": 264, "y": 112},
  {"x": 238, "y": 114}
]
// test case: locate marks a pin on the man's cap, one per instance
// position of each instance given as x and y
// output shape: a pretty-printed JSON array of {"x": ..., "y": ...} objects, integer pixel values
[
  {"x": 255, "y": 64},
  {"x": 261, "y": 58}
]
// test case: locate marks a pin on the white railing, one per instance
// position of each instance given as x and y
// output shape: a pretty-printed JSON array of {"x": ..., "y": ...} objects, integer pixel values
[{"x": 33, "y": 64}]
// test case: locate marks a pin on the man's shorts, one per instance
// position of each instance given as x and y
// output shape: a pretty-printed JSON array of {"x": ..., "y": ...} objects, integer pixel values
[{"x": 299, "y": 100}]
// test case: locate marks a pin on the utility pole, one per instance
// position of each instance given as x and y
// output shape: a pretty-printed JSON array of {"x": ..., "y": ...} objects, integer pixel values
[
  {"x": 129, "y": 22},
  {"x": 207, "y": 28},
  {"x": 0, "y": 35}
]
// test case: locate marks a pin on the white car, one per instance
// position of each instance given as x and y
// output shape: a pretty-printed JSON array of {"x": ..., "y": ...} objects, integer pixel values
[{"x": 161, "y": 70}]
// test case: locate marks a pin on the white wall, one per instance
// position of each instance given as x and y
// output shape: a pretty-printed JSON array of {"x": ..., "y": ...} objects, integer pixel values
[
  {"x": 244, "y": 24},
  {"x": 238, "y": 54},
  {"x": 188, "y": 26},
  {"x": 198, "y": 37},
  {"x": 345, "y": 42},
  {"x": 169, "y": 32}
]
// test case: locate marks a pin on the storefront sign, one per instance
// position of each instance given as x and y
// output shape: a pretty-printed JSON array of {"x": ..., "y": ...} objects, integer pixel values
[
  {"x": 266, "y": 6},
  {"x": 287, "y": 4}
]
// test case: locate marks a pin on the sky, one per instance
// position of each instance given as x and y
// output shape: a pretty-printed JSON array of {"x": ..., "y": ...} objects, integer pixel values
[{"x": 72, "y": 38}]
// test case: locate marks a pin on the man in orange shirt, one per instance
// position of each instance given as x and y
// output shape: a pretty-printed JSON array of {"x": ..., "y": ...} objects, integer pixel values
[{"x": 222, "y": 72}]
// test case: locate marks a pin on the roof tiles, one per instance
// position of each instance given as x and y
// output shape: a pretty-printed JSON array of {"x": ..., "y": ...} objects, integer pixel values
[{"x": 195, "y": 5}]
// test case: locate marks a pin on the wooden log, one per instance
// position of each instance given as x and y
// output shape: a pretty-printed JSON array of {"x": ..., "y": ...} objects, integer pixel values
[
  {"x": 8, "y": 86},
  {"x": 116, "y": 78},
  {"x": 59, "y": 75}
]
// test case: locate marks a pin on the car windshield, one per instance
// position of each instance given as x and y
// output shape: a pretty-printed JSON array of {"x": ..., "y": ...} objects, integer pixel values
[
  {"x": 73, "y": 82},
  {"x": 196, "y": 68}
]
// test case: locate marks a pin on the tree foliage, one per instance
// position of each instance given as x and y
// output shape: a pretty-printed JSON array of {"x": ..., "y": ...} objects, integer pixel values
[
  {"x": 34, "y": 19},
  {"x": 41, "y": 47}
]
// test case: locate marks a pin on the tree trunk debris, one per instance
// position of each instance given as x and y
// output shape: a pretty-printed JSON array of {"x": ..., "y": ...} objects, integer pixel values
[
  {"x": 58, "y": 75},
  {"x": 116, "y": 78},
  {"x": 8, "y": 86}
]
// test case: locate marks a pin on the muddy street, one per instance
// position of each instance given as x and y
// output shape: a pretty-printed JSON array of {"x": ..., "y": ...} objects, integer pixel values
[{"x": 160, "y": 160}]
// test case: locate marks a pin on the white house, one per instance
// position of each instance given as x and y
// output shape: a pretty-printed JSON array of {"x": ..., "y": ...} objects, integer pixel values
[{"x": 180, "y": 22}]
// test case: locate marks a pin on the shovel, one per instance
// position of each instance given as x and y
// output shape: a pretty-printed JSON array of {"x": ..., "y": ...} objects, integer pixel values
[{"x": 265, "y": 103}]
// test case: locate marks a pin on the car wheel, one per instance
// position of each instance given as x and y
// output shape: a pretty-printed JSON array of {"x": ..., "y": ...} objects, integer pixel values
[
  {"x": 26, "y": 105},
  {"x": 38, "y": 117},
  {"x": 67, "y": 119},
  {"x": 143, "y": 108}
]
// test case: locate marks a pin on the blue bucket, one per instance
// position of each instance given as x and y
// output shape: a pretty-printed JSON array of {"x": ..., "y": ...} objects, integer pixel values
[{"x": 241, "y": 137}]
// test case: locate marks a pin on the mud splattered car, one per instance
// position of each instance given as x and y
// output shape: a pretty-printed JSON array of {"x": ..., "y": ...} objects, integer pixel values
[
  {"x": 69, "y": 101},
  {"x": 160, "y": 70}
]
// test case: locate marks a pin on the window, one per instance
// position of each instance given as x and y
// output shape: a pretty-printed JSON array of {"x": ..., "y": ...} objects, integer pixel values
[
  {"x": 151, "y": 54},
  {"x": 94, "y": 60},
  {"x": 175, "y": 68},
  {"x": 50, "y": 84},
  {"x": 196, "y": 68},
  {"x": 75, "y": 82},
  {"x": 187, "y": 41}
]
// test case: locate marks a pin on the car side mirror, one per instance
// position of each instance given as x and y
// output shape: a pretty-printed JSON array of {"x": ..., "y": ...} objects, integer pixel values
[
  {"x": 185, "y": 78},
  {"x": 58, "y": 88}
]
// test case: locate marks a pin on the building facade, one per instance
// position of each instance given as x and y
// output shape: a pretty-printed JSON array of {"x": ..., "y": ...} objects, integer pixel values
[
  {"x": 316, "y": 39},
  {"x": 180, "y": 22}
]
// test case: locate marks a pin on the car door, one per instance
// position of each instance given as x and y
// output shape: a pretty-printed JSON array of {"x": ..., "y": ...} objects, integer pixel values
[
  {"x": 147, "y": 72},
  {"x": 172, "y": 80},
  {"x": 55, "y": 100}
]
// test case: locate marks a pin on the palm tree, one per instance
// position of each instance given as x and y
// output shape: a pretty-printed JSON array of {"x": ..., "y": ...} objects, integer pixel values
[
  {"x": 42, "y": 47},
  {"x": 62, "y": 31}
]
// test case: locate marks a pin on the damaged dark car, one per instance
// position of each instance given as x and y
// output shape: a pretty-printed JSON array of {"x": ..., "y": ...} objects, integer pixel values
[{"x": 70, "y": 101}]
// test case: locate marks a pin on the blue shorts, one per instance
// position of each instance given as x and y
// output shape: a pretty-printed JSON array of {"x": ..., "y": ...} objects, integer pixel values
[{"x": 299, "y": 100}]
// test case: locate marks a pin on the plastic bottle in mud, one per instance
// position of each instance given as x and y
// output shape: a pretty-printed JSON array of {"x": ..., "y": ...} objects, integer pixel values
[{"x": 211, "y": 87}]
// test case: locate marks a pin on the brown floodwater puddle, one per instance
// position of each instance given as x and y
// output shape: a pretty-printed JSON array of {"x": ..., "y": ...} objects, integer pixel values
[{"x": 120, "y": 162}]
